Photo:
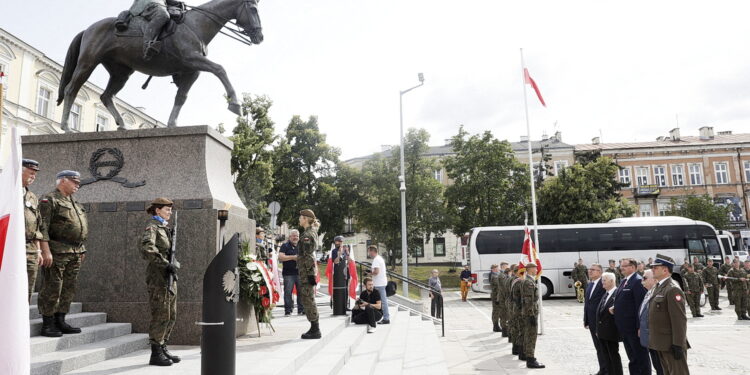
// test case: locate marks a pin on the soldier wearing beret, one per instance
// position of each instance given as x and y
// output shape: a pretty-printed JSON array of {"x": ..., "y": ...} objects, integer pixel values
[
  {"x": 33, "y": 220},
  {"x": 156, "y": 244},
  {"x": 306, "y": 267},
  {"x": 666, "y": 319},
  {"x": 529, "y": 314},
  {"x": 64, "y": 230}
]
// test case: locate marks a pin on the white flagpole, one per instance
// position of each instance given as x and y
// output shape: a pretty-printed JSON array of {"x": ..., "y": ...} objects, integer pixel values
[{"x": 533, "y": 188}]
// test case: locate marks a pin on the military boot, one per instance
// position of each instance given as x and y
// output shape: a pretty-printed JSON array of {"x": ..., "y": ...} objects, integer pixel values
[
  {"x": 49, "y": 328},
  {"x": 496, "y": 328},
  {"x": 522, "y": 356},
  {"x": 505, "y": 334},
  {"x": 314, "y": 332},
  {"x": 63, "y": 326},
  {"x": 514, "y": 351},
  {"x": 533, "y": 363},
  {"x": 745, "y": 317},
  {"x": 157, "y": 356},
  {"x": 173, "y": 358}
]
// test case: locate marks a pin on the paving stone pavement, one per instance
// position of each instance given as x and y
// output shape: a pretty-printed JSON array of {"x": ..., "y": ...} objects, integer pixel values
[{"x": 719, "y": 341}]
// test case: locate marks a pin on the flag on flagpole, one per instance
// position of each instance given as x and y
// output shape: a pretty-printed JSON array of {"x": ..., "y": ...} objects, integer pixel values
[
  {"x": 527, "y": 78},
  {"x": 529, "y": 253},
  {"x": 15, "y": 356}
]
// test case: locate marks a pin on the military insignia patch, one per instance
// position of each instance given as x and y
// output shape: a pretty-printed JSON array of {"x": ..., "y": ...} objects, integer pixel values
[{"x": 678, "y": 298}]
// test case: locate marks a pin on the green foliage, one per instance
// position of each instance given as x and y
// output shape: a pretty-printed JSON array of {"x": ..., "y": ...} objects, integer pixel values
[
  {"x": 490, "y": 187},
  {"x": 701, "y": 208},
  {"x": 586, "y": 157},
  {"x": 252, "y": 154},
  {"x": 583, "y": 194}
]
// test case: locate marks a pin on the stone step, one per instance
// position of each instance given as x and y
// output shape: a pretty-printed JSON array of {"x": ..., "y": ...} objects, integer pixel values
[
  {"x": 391, "y": 356},
  {"x": 306, "y": 350},
  {"x": 41, "y": 345},
  {"x": 337, "y": 353},
  {"x": 66, "y": 360},
  {"x": 34, "y": 299},
  {"x": 87, "y": 319},
  {"x": 366, "y": 355},
  {"x": 423, "y": 353},
  {"x": 75, "y": 308}
]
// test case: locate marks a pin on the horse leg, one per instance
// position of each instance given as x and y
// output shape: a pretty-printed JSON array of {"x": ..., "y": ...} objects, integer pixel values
[
  {"x": 184, "y": 82},
  {"x": 80, "y": 76},
  {"x": 118, "y": 76},
  {"x": 202, "y": 63}
]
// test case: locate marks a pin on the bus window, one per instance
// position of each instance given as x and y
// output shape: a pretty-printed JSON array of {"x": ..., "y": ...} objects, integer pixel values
[
  {"x": 499, "y": 242},
  {"x": 695, "y": 249},
  {"x": 713, "y": 247}
]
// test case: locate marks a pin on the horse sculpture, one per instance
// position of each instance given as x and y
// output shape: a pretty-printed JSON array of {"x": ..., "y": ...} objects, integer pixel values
[{"x": 183, "y": 55}]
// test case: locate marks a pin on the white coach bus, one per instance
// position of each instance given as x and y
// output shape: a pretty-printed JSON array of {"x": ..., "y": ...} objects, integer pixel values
[{"x": 562, "y": 245}]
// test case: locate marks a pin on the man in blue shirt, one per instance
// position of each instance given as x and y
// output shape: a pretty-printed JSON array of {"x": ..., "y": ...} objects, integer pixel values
[{"x": 288, "y": 258}]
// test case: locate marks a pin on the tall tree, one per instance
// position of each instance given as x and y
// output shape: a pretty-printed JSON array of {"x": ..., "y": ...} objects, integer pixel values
[
  {"x": 583, "y": 194},
  {"x": 701, "y": 208},
  {"x": 252, "y": 154},
  {"x": 490, "y": 186}
]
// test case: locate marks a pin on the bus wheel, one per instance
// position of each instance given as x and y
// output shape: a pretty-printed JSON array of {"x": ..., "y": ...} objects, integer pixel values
[{"x": 546, "y": 288}]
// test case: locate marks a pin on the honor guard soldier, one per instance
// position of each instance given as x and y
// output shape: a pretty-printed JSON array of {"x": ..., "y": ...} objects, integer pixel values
[
  {"x": 723, "y": 270},
  {"x": 529, "y": 315},
  {"x": 737, "y": 279},
  {"x": 494, "y": 283},
  {"x": 306, "y": 267},
  {"x": 64, "y": 230},
  {"x": 502, "y": 296},
  {"x": 693, "y": 288},
  {"x": 515, "y": 320},
  {"x": 156, "y": 245},
  {"x": 667, "y": 320},
  {"x": 32, "y": 220},
  {"x": 710, "y": 276},
  {"x": 508, "y": 301}
]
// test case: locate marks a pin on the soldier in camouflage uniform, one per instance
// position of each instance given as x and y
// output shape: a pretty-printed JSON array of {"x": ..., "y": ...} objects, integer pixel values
[
  {"x": 32, "y": 220},
  {"x": 516, "y": 330},
  {"x": 529, "y": 314},
  {"x": 306, "y": 266},
  {"x": 693, "y": 289},
  {"x": 502, "y": 296},
  {"x": 580, "y": 276},
  {"x": 723, "y": 270},
  {"x": 710, "y": 276},
  {"x": 508, "y": 301},
  {"x": 737, "y": 278},
  {"x": 156, "y": 245},
  {"x": 614, "y": 270},
  {"x": 697, "y": 265},
  {"x": 495, "y": 284},
  {"x": 64, "y": 231}
]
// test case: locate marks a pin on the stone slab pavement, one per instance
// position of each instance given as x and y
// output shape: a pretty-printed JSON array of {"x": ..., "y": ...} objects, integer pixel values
[{"x": 719, "y": 341}]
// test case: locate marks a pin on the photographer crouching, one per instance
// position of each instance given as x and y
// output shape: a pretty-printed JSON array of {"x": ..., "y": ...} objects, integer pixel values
[{"x": 367, "y": 310}]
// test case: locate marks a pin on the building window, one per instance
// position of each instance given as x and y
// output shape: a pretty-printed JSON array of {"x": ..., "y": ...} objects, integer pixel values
[
  {"x": 722, "y": 173},
  {"x": 419, "y": 248},
  {"x": 641, "y": 176},
  {"x": 625, "y": 177},
  {"x": 438, "y": 245},
  {"x": 101, "y": 123},
  {"x": 645, "y": 209},
  {"x": 696, "y": 174},
  {"x": 663, "y": 207},
  {"x": 438, "y": 174},
  {"x": 75, "y": 117},
  {"x": 677, "y": 175},
  {"x": 747, "y": 171},
  {"x": 660, "y": 175},
  {"x": 42, "y": 101},
  {"x": 559, "y": 166}
]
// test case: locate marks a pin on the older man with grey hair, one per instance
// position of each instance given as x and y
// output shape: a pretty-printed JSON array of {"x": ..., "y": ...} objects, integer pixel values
[
  {"x": 288, "y": 258},
  {"x": 606, "y": 329},
  {"x": 648, "y": 282}
]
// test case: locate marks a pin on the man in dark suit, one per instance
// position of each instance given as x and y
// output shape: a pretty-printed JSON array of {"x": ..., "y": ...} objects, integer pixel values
[
  {"x": 592, "y": 297},
  {"x": 628, "y": 299},
  {"x": 606, "y": 329}
]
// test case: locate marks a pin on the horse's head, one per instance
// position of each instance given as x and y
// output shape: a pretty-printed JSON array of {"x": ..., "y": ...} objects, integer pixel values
[{"x": 249, "y": 20}]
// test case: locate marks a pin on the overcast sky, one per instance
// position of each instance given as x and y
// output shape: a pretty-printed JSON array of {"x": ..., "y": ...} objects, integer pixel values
[{"x": 630, "y": 69}]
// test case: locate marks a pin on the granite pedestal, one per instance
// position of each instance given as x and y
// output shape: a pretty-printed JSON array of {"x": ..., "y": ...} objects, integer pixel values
[{"x": 124, "y": 170}]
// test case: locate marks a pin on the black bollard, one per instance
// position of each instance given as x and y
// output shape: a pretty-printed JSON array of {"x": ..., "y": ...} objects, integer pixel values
[{"x": 340, "y": 287}]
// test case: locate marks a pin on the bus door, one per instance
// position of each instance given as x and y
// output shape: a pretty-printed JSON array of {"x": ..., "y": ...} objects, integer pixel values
[
  {"x": 695, "y": 249},
  {"x": 713, "y": 249}
]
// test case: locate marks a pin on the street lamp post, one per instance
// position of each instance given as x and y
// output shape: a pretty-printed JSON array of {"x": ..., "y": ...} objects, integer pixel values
[{"x": 402, "y": 187}]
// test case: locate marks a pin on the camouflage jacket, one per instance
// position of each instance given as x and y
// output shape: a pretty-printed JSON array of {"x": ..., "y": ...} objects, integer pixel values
[
  {"x": 33, "y": 220},
  {"x": 580, "y": 274},
  {"x": 725, "y": 269},
  {"x": 64, "y": 223},
  {"x": 155, "y": 246},
  {"x": 741, "y": 279},
  {"x": 495, "y": 286},
  {"x": 507, "y": 291},
  {"x": 698, "y": 267},
  {"x": 710, "y": 276},
  {"x": 529, "y": 297},
  {"x": 693, "y": 282},
  {"x": 308, "y": 241},
  {"x": 616, "y": 271},
  {"x": 515, "y": 295},
  {"x": 502, "y": 293}
]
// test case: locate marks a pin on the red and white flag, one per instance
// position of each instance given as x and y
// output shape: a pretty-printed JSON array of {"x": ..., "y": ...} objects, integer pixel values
[
  {"x": 527, "y": 78},
  {"x": 529, "y": 253},
  {"x": 15, "y": 355}
]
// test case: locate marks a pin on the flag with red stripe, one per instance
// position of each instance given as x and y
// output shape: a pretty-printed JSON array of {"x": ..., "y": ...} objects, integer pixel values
[
  {"x": 529, "y": 253},
  {"x": 527, "y": 78}
]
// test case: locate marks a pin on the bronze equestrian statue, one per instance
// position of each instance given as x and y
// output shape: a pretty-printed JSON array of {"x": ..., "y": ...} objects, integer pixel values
[{"x": 127, "y": 44}]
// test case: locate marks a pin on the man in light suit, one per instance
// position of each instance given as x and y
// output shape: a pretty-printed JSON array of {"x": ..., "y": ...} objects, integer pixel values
[
  {"x": 592, "y": 297},
  {"x": 648, "y": 282},
  {"x": 606, "y": 329},
  {"x": 628, "y": 299}
]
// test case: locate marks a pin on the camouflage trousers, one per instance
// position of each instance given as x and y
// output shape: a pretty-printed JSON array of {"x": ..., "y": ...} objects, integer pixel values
[
  {"x": 516, "y": 330},
  {"x": 59, "y": 285},
  {"x": 730, "y": 292},
  {"x": 504, "y": 318},
  {"x": 529, "y": 335},
  {"x": 713, "y": 296},
  {"x": 496, "y": 306},
  {"x": 32, "y": 266},
  {"x": 740, "y": 299},
  {"x": 694, "y": 301},
  {"x": 307, "y": 296},
  {"x": 163, "y": 307}
]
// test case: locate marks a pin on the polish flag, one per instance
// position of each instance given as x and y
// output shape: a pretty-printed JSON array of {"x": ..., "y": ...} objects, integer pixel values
[
  {"x": 529, "y": 253},
  {"x": 527, "y": 78},
  {"x": 15, "y": 355}
]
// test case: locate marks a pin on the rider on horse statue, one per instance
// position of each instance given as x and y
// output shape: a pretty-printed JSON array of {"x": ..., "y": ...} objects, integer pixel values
[{"x": 156, "y": 13}]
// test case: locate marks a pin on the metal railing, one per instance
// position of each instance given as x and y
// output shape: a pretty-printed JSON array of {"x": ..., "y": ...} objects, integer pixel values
[{"x": 409, "y": 281}]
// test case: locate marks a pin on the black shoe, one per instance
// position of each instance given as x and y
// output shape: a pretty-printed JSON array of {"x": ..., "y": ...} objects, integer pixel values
[
  {"x": 533, "y": 363},
  {"x": 49, "y": 328},
  {"x": 63, "y": 326},
  {"x": 698, "y": 316},
  {"x": 157, "y": 356},
  {"x": 287, "y": 314},
  {"x": 173, "y": 358},
  {"x": 745, "y": 317},
  {"x": 521, "y": 356},
  {"x": 384, "y": 321},
  {"x": 313, "y": 333},
  {"x": 496, "y": 328},
  {"x": 505, "y": 334},
  {"x": 514, "y": 351},
  {"x": 718, "y": 308}
]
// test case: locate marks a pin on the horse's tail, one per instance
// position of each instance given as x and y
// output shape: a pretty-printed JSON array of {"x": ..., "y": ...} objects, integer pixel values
[{"x": 71, "y": 60}]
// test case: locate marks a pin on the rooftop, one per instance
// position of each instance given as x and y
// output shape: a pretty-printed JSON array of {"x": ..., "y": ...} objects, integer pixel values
[{"x": 714, "y": 140}]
